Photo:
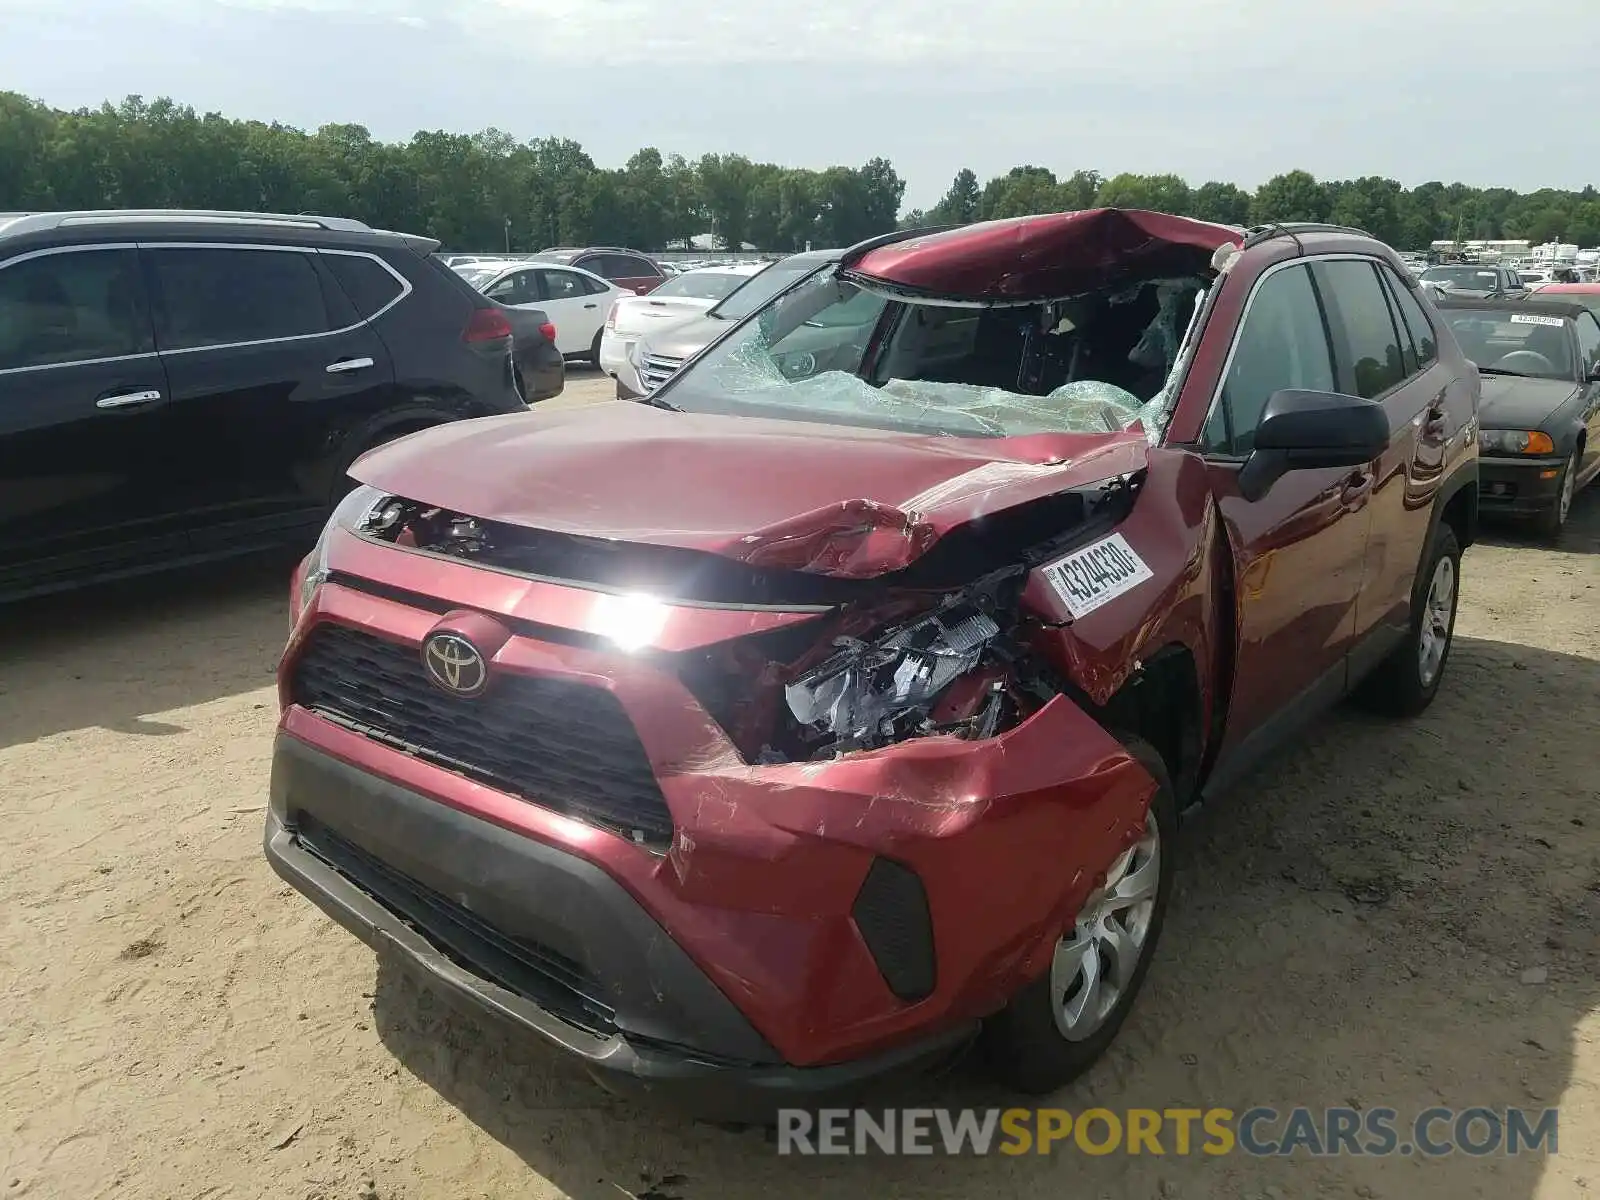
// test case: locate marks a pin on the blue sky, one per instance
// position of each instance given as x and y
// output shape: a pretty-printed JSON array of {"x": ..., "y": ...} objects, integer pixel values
[{"x": 1488, "y": 93}]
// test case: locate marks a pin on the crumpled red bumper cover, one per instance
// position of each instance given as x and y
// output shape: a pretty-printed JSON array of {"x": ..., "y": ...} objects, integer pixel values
[{"x": 1006, "y": 837}]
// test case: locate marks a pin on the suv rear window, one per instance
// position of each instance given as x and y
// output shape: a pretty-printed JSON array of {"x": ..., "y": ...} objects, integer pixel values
[
  {"x": 218, "y": 297},
  {"x": 369, "y": 285}
]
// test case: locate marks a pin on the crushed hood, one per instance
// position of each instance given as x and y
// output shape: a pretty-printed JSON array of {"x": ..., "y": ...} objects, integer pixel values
[
  {"x": 841, "y": 501},
  {"x": 1045, "y": 257}
]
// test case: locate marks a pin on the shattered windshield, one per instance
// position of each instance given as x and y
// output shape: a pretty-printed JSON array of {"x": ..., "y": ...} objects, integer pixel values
[{"x": 833, "y": 351}]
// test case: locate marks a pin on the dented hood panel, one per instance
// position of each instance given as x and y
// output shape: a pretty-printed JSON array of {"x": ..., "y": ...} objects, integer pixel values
[
  {"x": 833, "y": 500},
  {"x": 1044, "y": 257}
]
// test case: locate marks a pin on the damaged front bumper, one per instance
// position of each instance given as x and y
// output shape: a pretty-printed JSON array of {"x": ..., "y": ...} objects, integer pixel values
[{"x": 846, "y": 916}]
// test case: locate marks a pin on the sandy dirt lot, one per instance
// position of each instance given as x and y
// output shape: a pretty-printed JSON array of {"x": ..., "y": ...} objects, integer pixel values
[{"x": 1388, "y": 914}]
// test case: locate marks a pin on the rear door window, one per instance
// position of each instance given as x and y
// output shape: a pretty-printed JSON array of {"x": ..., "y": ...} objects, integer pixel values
[
  {"x": 1283, "y": 344},
  {"x": 1363, "y": 327},
  {"x": 563, "y": 285},
  {"x": 621, "y": 266},
  {"x": 81, "y": 306},
  {"x": 370, "y": 285},
  {"x": 1424, "y": 342},
  {"x": 221, "y": 297}
]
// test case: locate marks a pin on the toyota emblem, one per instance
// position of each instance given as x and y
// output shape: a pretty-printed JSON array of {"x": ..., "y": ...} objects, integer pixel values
[{"x": 455, "y": 664}]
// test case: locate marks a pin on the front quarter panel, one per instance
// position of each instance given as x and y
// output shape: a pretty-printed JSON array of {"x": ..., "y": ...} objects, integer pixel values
[{"x": 1172, "y": 527}]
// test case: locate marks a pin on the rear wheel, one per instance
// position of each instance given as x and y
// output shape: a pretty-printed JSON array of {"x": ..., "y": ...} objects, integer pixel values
[
  {"x": 1055, "y": 1028},
  {"x": 594, "y": 349},
  {"x": 1553, "y": 520},
  {"x": 1406, "y": 682}
]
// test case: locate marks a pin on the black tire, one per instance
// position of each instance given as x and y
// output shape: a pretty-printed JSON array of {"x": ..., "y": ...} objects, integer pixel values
[
  {"x": 1021, "y": 1043},
  {"x": 594, "y": 349},
  {"x": 1553, "y": 520},
  {"x": 1399, "y": 686}
]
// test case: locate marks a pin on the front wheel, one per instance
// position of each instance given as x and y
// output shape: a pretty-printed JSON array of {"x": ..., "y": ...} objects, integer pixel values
[
  {"x": 1055, "y": 1028},
  {"x": 1553, "y": 520}
]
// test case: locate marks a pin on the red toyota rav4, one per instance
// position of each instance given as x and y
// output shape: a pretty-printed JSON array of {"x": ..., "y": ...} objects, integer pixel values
[{"x": 835, "y": 704}]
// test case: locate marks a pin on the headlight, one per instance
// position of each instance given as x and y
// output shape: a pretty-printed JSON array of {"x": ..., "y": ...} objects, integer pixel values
[
  {"x": 349, "y": 513},
  {"x": 874, "y": 692},
  {"x": 1515, "y": 441}
]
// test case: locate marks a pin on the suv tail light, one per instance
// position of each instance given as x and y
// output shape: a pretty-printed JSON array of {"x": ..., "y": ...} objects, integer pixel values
[
  {"x": 548, "y": 331},
  {"x": 486, "y": 325},
  {"x": 611, "y": 317}
]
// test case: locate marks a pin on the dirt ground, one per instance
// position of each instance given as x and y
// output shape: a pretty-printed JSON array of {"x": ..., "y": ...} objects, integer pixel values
[{"x": 1388, "y": 914}]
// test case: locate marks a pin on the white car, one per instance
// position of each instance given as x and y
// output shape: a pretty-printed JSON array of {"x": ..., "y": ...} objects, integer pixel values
[
  {"x": 576, "y": 301},
  {"x": 678, "y": 299}
]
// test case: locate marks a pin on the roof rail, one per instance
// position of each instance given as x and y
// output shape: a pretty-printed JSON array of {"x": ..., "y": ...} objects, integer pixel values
[
  {"x": 57, "y": 220},
  {"x": 1257, "y": 234}
]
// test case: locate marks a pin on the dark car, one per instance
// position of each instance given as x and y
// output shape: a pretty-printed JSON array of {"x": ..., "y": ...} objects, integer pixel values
[
  {"x": 541, "y": 367},
  {"x": 181, "y": 386},
  {"x": 1540, "y": 418},
  {"x": 628, "y": 269},
  {"x": 656, "y": 356},
  {"x": 1482, "y": 280},
  {"x": 836, "y": 703}
]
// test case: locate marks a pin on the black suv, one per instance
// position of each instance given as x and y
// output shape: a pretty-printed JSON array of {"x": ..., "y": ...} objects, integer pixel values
[{"x": 181, "y": 386}]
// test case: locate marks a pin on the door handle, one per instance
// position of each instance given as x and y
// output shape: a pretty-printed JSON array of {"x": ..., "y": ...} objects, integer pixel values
[
  {"x": 128, "y": 399},
  {"x": 591, "y": 306},
  {"x": 349, "y": 364},
  {"x": 1356, "y": 486}
]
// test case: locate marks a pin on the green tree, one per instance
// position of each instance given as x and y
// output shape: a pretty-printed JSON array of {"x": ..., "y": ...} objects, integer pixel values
[
  {"x": 1295, "y": 196},
  {"x": 1224, "y": 203},
  {"x": 961, "y": 203}
]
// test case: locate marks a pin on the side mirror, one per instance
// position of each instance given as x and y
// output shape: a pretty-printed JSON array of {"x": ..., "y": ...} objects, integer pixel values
[{"x": 1302, "y": 430}]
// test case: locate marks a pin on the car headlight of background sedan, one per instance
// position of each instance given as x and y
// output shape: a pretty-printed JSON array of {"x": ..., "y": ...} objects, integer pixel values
[{"x": 1515, "y": 441}]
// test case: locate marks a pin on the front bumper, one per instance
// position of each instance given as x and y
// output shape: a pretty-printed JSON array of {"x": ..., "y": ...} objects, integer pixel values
[
  {"x": 1518, "y": 487},
  {"x": 493, "y": 920},
  {"x": 760, "y": 875}
]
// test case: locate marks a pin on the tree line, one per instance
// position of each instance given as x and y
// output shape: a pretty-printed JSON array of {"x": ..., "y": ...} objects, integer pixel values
[
  {"x": 1408, "y": 218},
  {"x": 488, "y": 190}
]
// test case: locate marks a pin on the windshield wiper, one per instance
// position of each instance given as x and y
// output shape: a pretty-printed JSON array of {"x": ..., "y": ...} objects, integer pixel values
[{"x": 1500, "y": 371}]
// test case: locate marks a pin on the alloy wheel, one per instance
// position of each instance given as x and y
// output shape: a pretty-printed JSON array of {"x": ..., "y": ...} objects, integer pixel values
[
  {"x": 1094, "y": 964},
  {"x": 1438, "y": 610}
]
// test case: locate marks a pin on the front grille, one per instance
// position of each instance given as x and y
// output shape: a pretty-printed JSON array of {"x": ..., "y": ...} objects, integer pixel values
[
  {"x": 525, "y": 967},
  {"x": 657, "y": 369},
  {"x": 563, "y": 746}
]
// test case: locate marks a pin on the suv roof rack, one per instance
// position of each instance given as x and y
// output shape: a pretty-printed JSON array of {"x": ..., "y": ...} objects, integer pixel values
[
  {"x": 32, "y": 222},
  {"x": 1257, "y": 234}
]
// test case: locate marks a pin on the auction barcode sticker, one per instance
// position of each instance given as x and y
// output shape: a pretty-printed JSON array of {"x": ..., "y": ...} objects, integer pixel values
[
  {"x": 1096, "y": 574},
  {"x": 1535, "y": 319}
]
